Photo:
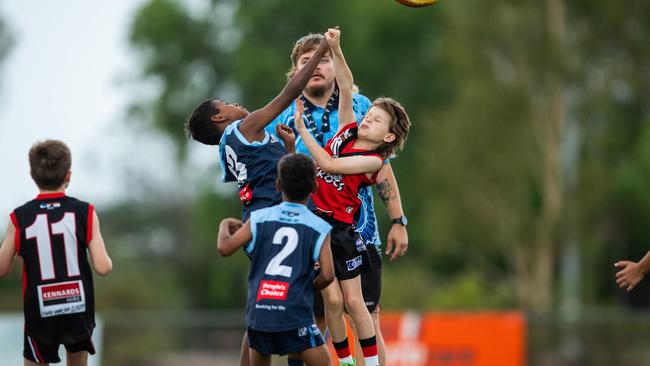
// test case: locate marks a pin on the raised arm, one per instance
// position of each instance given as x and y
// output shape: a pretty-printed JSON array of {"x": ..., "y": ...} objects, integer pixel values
[
  {"x": 232, "y": 236},
  {"x": 344, "y": 165},
  {"x": 344, "y": 77},
  {"x": 388, "y": 191},
  {"x": 8, "y": 250},
  {"x": 253, "y": 125}
]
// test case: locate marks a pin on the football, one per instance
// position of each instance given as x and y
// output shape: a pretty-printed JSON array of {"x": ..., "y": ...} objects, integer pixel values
[{"x": 417, "y": 3}]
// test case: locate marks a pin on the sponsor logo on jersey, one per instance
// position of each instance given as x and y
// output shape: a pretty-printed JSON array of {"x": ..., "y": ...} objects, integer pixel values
[
  {"x": 272, "y": 290},
  {"x": 61, "y": 298},
  {"x": 354, "y": 263},
  {"x": 302, "y": 332},
  {"x": 290, "y": 213},
  {"x": 50, "y": 205},
  {"x": 335, "y": 180},
  {"x": 245, "y": 194},
  {"x": 338, "y": 141}
]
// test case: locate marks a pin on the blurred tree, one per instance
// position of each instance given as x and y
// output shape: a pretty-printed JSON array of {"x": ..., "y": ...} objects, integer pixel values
[{"x": 527, "y": 136}]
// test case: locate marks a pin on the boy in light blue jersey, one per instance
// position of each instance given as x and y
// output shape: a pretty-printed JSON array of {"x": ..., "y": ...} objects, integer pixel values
[{"x": 284, "y": 242}]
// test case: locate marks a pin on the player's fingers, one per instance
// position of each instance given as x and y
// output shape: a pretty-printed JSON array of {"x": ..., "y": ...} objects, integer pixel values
[
  {"x": 630, "y": 287},
  {"x": 389, "y": 245},
  {"x": 620, "y": 273},
  {"x": 621, "y": 280}
]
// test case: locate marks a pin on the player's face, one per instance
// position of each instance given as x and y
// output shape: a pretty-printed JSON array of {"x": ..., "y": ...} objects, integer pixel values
[
  {"x": 375, "y": 126},
  {"x": 230, "y": 111},
  {"x": 322, "y": 79}
]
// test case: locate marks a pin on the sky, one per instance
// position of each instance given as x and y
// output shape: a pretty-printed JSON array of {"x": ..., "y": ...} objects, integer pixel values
[{"x": 71, "y": 76}]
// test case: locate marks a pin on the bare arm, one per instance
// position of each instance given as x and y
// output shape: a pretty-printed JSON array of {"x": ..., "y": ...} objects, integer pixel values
[
  {"x": 344, "y": 165},
  {"x": 8, "y": 250},
  {"x": 232, "y": 236},
  {"x": 344, "y": 78},
  {"x": 632, "y": 273},
  {"x": 102, "y": 263},
  {"x": 326, "y": 275},
  {"x": 388, "y": 191},
  {"x": 252, "y": 127}
]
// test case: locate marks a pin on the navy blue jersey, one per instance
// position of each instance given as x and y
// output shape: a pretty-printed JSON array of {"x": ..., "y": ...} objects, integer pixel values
[
  {"x": 366, "y": 223},
  {"x": 287, "y": 240},
  {"x": 253, "y": 165}
]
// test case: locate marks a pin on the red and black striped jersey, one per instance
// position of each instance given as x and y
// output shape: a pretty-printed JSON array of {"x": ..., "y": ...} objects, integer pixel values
[{"x": 338, "y": 194}]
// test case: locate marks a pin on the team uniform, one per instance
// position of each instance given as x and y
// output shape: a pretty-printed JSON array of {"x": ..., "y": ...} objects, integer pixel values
[
  {"x": 253, "y": 165},
  {"x": 52, "y": 236},
  {"x": 337, "y": 201},
  {"x": 287, "y": 240},
  {"x": 323, "y": 124}
]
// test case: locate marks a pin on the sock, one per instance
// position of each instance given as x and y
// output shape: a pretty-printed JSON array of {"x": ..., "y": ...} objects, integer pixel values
[
  {"x": 343, "y": 351},
  {"x": 291, "y": 362},
  {"x": 369, "y": 348}
]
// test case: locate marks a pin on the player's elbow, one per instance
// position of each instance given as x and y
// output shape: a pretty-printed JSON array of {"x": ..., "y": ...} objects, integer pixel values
[
  {"x": 224, "y": 250},
  {"x": 4, "y": 271},
  {"x": 328, "y": 278},
  {"x": 103, "y": 267},
  {"x": 328, "y": 166}
]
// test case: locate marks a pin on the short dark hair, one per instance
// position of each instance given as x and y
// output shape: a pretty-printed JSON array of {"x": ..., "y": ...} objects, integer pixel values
[
  {"x": 200, "y": 126},
  {"x": 50, "y": 162},
  {"x": 399, "y": 125},
  {"x": 296, "y": 176}
]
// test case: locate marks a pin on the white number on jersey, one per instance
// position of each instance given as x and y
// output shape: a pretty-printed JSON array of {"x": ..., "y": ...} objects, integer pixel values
[
  {"x": 40, "y": 230},
  {"x": 275, "y": 267}
]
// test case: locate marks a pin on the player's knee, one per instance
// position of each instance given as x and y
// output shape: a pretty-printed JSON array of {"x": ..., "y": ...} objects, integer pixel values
[
  {"x": 334, "y": 303},
  {"x": 355, "y": 305}
]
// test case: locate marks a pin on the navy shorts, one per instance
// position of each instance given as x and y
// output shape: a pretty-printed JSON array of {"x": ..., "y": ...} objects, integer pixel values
[
  {"x": 283, "y": 343},
  {"x": 40, "y": 352}
]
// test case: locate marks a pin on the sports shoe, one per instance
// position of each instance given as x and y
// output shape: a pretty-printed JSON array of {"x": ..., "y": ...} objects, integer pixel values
[{"x": 354, "y": 363}]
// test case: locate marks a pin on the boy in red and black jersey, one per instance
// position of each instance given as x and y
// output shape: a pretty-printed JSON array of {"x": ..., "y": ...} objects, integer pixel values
[
  {"x": 351, "y": 160},
  {"x": 52, "y": 233}
]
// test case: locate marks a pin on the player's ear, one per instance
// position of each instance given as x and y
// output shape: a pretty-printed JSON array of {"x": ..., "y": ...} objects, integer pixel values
[
  {"x": 390, "y": 137},
  {"x": 218, "y": 118},
  {"x": 67, "y": 178}
]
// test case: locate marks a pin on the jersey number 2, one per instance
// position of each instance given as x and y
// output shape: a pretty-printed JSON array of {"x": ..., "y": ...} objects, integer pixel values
[
  {"x": 40, "y": 230},
  {"x": 275, "y": 267}
]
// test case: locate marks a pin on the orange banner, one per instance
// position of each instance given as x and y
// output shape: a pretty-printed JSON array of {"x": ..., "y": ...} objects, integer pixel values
[{"x": 453, "y": 339}]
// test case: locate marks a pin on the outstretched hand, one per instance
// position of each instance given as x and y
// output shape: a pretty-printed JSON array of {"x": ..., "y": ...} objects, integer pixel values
[
  {"x": 629, "y": 276},
  {"x": 333, "y": 38},
  {"x": 297, "y": 115}
]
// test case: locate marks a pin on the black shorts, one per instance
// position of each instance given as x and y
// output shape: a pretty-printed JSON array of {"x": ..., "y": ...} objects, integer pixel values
[
  {"x": 370, "y": 285},
  {"x": 40, "y": 352},
  {"x": 349, "y": 251},
  {"x": 283, "y": 343}
]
